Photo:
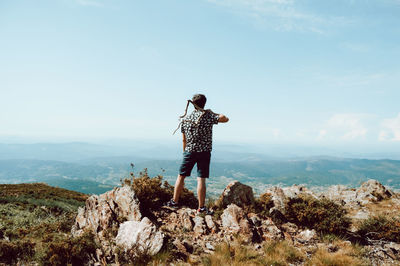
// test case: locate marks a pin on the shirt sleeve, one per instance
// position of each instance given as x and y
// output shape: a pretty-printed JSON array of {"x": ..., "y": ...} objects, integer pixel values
[{"x": 214, "y": 118}]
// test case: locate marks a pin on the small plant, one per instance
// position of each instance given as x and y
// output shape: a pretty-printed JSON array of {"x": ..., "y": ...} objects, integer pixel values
[
  {"x": 380, "y": 228},
  {"x": 345, "y": 255},
  {"x": 325, "y": 216},
  {"x": 63, "y": 251},
  {"x": 263, "y": 204},
  {"x": 152, "y": 192},
  {"x": 282, "y": 253}
]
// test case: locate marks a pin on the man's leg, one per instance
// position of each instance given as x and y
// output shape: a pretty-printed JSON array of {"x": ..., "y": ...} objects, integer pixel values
[
  {"x": 201, "y": 191},
  {"x": 179, "y": 184}
]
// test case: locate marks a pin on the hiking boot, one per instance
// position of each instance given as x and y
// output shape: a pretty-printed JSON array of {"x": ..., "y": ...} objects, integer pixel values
[
  {"x": 171, "y": 204},
  {"x": 204, "y": 210}
]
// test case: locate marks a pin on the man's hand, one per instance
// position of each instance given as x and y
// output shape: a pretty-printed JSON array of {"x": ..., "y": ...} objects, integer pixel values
[{"x": 222, "y": 119}]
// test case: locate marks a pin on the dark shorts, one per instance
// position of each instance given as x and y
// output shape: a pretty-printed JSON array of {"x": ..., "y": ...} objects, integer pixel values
[{"x": 191, "y": 158}]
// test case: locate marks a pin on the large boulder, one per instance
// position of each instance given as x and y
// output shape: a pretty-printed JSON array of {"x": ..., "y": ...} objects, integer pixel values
[
  {"x": 372, "y": 191},
  {"x": 234, "y": 220},
  {"x": 139, "y": 238},
  {"x": 238, "y": 194},
  {"x": 341, "y": 195},
  {"x": 101, "y": 212},
  {"x": 280, "y": 196}
]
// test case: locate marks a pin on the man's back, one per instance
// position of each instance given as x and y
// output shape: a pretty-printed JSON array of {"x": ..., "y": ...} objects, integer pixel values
[{"x": 197, "y": 128}]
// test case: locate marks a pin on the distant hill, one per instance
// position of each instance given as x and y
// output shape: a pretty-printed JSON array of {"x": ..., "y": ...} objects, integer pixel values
[{"x": 101, "y": 174}]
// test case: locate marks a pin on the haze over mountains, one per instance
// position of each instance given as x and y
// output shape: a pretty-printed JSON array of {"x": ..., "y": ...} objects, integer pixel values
[{"x": 95, "y": 168}]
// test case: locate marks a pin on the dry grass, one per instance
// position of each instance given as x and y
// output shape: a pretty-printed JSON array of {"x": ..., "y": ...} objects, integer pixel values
[
  {"x": 384, "y": 207},
  {"x": 282, "y": 253},
  {"x": 346, "y": 254},
  {"x": 239, "y": 254}
]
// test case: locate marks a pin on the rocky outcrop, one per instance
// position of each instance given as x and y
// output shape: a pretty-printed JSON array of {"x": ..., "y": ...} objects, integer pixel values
[
  {"x": 238, "y": 194},
  {"x": 369, "y": 192},
  {"x": 372, "y": 191},
  {"x": 103, "y": 211},
  {"x": 141, "y": 238},
  {"x": 234, "y": 220},
  {"x": 115, "y": 219}
]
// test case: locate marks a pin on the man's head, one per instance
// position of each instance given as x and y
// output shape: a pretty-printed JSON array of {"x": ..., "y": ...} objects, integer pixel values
[{"x": 200, "y": 100}]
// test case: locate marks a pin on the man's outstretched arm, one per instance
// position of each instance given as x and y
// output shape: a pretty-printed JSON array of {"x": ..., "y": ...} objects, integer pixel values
[{"x": 222, "y": 119}]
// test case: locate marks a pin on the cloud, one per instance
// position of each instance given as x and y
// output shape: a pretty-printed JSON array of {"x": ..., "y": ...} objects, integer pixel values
[
  {"x": 346, "y": 127},
  {"x": 350, "y": 124},
  {"x": 390, "y": 129},
  {"x": 281, "y": 15},
  {"x": 322, "y": 134}
]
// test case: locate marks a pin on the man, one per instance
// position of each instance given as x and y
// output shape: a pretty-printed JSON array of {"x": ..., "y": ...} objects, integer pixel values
[{"x": 197, "y": 145}]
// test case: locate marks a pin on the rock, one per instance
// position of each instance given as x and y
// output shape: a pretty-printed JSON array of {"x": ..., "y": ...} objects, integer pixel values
[
  {"x": 238, "y": 194},
  {"x": 361, "y": 214},
  {"x": 256, "y": 221},
  {"x": 270, "y": 230},
  {"x": 184, "y": 218},
  {"x": 384, "y": 252},
  {"x": 306, "y": 236},
  {"x": 277, "y": 215},
  {"x": 103, "y": 211},
  {"x": 341, "y": 195},
  {"x": 372, "y": 191},
  {"x": 199, "y": 226},
  {"x": 278, "y": 197},
  {"x": 291, "y": 228},
  {"x": 210, "y": 223},
  {"x": 172, "y": 223},
  {"x": 295, "y": 191},
  {"x": 393, "y": 250},
  {"x": 332, "y": 248},
  {"x": 179, "y": 246},
  {"x": 234, "y": 220},
  {"x": 140, "y": 237},
  {"x": 210, "y": 246}
]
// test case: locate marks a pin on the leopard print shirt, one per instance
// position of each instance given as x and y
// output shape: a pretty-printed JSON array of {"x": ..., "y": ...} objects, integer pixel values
[{"x": 199, "y": 133}]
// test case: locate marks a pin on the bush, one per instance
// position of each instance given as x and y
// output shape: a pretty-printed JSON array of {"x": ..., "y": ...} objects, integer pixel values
[
  {"x": 75, "y": 251},
  {"x": 152, "y": 192},
  {"x": 325, "y": 216},
  {"x": 263, "y": 204},
  {"x": 380, "y": 228},
  {"x": 10, "y": 252}
]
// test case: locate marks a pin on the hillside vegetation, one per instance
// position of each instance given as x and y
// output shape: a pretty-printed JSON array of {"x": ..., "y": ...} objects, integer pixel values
[
  {"x": 41, "y": 225},
  {"x": 35, "y": 225}
]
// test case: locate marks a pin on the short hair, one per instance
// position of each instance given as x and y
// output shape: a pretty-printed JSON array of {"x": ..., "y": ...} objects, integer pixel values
[{"x": 200, "y": 100}]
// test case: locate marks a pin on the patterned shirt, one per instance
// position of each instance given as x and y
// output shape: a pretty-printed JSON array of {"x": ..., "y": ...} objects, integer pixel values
[{"x": 199, "y": 132}]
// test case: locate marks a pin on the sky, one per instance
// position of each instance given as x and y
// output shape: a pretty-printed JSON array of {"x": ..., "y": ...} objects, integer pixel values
[{"x": 305, "y": 72}]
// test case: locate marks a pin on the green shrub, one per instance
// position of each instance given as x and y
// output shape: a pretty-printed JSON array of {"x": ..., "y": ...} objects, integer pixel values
[
  {"x": 263, "y": 204},
  {"x": 152, "y": 192},
  {"x": 63, "y": 251},
  {"x": 325, "y": 216},
  {"x": 380, "y": 228}
]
